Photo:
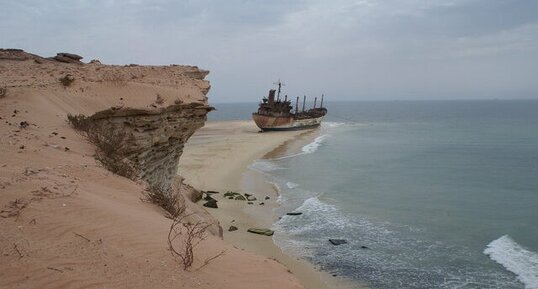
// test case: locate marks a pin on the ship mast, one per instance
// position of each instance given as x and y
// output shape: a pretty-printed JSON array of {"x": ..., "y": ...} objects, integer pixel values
[{"x": 280, "y": 84}]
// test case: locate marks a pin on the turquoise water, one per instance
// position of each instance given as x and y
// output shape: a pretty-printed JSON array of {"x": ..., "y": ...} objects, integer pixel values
[{"x": 443, "y": 193}]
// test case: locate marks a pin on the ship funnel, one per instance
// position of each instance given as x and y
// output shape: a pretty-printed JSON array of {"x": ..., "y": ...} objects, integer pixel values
[{"x": 271, "y": 96}]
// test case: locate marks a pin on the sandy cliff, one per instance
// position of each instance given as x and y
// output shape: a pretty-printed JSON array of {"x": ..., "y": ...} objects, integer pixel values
[{"x": 66, "y": 221}]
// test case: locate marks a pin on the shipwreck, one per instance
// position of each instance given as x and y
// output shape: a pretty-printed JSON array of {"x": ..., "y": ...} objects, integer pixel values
[{"x": 278, "y": 114}]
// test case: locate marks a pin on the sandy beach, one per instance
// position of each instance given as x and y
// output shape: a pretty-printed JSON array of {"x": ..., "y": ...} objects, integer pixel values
[{"x": 217, "y": 157}]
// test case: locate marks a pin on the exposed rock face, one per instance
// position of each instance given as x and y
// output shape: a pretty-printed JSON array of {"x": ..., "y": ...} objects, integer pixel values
[
  {"x": 68, "y": 58},
  {"x": 155, "y": 138}
]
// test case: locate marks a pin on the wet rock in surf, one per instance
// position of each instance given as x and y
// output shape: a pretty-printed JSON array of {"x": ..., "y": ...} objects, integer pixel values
[
  {"x": 337, "y": 242},
  {"x": 294, "y": 214}
]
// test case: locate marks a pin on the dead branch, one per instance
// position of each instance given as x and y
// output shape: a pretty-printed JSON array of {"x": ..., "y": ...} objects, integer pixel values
[
  {"x": 55, "y": 269},
  {"x": 81, "y": 236},
  {"x": 206, "y": 262},
  {"x": 17, "y": 250}
]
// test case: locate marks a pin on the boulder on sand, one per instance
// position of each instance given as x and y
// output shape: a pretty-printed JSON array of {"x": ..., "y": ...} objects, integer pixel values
[{"x": 232, "y": 228}]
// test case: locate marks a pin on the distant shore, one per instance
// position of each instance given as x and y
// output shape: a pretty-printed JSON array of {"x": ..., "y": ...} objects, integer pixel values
[{"x": 217, "y": 158}]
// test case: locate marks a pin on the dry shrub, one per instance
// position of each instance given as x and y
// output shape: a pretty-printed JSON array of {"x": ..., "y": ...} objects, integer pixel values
[
  {"x": 67, "y": 80},
  {"x": 79, "y": 122},
  {"x": 111, "y": 149},
  {"x": 184, "y": 236},
  {"x": 112, "y": 144},
  {"x": 169, "y": 200}
]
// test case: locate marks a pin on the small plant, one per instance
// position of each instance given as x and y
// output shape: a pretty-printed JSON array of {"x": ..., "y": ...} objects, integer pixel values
[
  {"x": 67, "y": 80},
  {"x": 159, "y": 100}
]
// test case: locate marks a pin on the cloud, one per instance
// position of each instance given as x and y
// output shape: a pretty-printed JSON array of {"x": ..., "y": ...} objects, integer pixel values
[{"x": 359, "y": 49}]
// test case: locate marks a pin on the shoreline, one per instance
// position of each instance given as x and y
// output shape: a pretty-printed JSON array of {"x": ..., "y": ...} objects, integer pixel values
[{"x": 218, "y": 158}]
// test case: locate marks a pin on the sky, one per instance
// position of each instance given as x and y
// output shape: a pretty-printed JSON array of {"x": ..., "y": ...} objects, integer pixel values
[{"x": 347, "y": 50}]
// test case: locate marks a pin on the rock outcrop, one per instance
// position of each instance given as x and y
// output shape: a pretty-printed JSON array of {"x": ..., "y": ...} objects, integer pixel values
[
  {"x": 154, "y": 138},
  {"x": 68, "y": 58}
]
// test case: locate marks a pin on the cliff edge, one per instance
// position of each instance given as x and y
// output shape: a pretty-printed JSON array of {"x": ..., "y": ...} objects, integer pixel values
[{"x": 67, "y": 221}]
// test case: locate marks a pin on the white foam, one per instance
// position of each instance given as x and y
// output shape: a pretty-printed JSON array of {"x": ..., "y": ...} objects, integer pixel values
[
  {"x": 292, "y": 185},
  {"x": 516, "y": 259},
  {"x": 265, "y": 166},
  {"x": 313, "y": 146},
  {"x": 333, "y": 124}
]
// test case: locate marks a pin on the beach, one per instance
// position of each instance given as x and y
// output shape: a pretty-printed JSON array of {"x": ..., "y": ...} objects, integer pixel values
[{"x": 217, "y": 158}]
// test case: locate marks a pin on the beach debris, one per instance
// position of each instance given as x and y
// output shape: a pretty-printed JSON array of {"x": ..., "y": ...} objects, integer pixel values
[
  {"x": 212, "y": 203},
  {"x": 251, "y": 198},
  {"x": 212, "y": 192},
  {"x": 262, "y": 203},
  {"x": 261, "y": 231},
  {"x": 250, "y": 203},
  {"x": 294, "y": 214},
  {"x": 232, "y": 228},
  {"x": 364, "y": 247},
  {"x": 337, "y": 242},
  {"x": 24, "y": 124},
  {"x": 230, "y": 198},
  {"x": 267, "y": 197},
  {"x": 247, "y": 195},
  {"x": 3, "y": 91}
]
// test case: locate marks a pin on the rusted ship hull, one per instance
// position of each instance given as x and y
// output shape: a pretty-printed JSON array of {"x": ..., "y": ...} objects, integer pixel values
[{"x": 267, "y": 123}]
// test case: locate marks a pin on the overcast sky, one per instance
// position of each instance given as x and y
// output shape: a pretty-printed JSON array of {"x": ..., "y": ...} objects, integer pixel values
[{"x": 349, "y": 50}]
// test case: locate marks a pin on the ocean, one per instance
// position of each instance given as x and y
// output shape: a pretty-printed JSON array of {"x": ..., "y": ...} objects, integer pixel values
[{"x": 428, "y": 194}]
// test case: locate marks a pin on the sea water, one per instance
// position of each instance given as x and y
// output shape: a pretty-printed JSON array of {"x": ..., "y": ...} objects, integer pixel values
[{"x": 428, "y": 194}]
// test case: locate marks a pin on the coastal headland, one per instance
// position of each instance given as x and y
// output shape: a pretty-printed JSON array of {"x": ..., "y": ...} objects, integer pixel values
[{"x": 67, "y": 220}]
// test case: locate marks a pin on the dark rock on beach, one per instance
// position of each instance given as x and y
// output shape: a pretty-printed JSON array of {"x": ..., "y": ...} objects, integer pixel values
[
  {"x": 232, "y": 228},
  {"x": 266, "y": 232},
  {"x": 337, "y": 242},
  {"x": 294, "y": 214},
  {"x": 211, "y": 204}
]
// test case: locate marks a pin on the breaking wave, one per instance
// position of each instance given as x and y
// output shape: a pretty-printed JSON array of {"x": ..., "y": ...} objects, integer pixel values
[
  {"x": 313, "y": 146},
  {"x": 516, "y": 259}
]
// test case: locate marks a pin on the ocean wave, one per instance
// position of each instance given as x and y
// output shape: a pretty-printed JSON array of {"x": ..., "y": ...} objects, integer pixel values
[
  {"x": 316, "y": 216},
  {"x": 516, "y": 259},
  {"x": 313, "y": 146},
  {"x": 291, "y": 185}
]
